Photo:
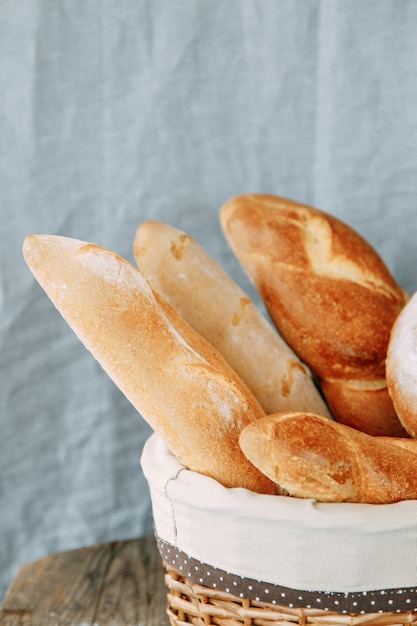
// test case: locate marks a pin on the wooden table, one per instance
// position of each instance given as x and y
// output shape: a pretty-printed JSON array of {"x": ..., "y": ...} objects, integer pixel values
[{"x": 120, "y": 583}]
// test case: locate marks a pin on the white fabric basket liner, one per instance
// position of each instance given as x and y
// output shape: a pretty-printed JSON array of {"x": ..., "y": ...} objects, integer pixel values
[{"x": 290, "y": 542}]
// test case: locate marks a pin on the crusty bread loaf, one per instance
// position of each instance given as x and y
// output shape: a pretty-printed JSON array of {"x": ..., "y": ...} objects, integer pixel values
[
  {"x": 331, "y": 296},
  {"x": 176, "y": 380},
  {"x": 312, "y": 457},
  {"x": 401, "y": 366},
  {"x": 365, "y": 405},
  {"x": 178, "y": 268},
  {"x": 408, "y": 443}
]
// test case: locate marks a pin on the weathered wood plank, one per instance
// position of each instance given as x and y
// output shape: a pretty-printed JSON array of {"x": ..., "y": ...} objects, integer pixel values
[
  {"x": 133, "y": 589},
  {"x": 120, "y": 583}
]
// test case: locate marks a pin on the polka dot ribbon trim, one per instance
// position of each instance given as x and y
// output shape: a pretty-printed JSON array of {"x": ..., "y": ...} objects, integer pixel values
[{"x": 362, "y": 602}]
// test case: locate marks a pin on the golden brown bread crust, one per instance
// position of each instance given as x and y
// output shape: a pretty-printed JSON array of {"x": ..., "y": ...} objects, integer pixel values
[
  {"x": 353, "y": 400},
  {"x": 177, "y": 381},
  {"x": 327, "y": 290},
  {"x": 312, "y": 457},
  {"x": 408, "y": 443},
  {"x": 402, "y": 366},
  {"x": 185, "y": 275}
]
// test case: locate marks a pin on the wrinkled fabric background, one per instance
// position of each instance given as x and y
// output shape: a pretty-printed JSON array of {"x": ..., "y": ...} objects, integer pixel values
[{"x": 112, "y": 113}]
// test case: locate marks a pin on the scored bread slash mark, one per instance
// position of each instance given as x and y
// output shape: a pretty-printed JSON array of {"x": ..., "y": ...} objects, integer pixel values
[
  {"x": 289, "y": 378},
  {"x": 112, "y": 268},
  {"x": 178, "y": 246},
  {"x": 238, "y": 315},
  {"x": 319, "y": 250}
]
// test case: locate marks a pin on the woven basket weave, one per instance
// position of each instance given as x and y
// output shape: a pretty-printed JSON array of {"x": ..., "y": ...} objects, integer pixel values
[{"x": 191, "y": 603}]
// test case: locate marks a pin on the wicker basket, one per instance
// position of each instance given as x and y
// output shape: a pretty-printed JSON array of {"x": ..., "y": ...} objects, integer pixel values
[
  {"x": 232, "y": 557},
  {"x": 191, "y": 603}
]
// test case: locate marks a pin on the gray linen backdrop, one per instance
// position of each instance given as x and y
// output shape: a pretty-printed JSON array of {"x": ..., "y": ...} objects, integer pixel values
[{"x": 112, "y": 113}]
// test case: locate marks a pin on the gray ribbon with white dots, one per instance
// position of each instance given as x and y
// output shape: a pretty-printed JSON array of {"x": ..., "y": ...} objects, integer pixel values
[{"x": 361, "y": 602}]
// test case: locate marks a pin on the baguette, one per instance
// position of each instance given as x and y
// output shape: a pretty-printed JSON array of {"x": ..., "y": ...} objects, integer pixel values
[
  {"x": 408, "y": 443},
  {"x": 175, "y": 379},
  {"x": 330, "y": 295},
  {"x": 401, "y": 366},
  {"x": 185, "y": 275},
  {"x": 312, "y": 457}
]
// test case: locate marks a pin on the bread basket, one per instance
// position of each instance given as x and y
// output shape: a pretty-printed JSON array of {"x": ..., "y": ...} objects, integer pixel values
[{"x": 235, "y": 557}]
